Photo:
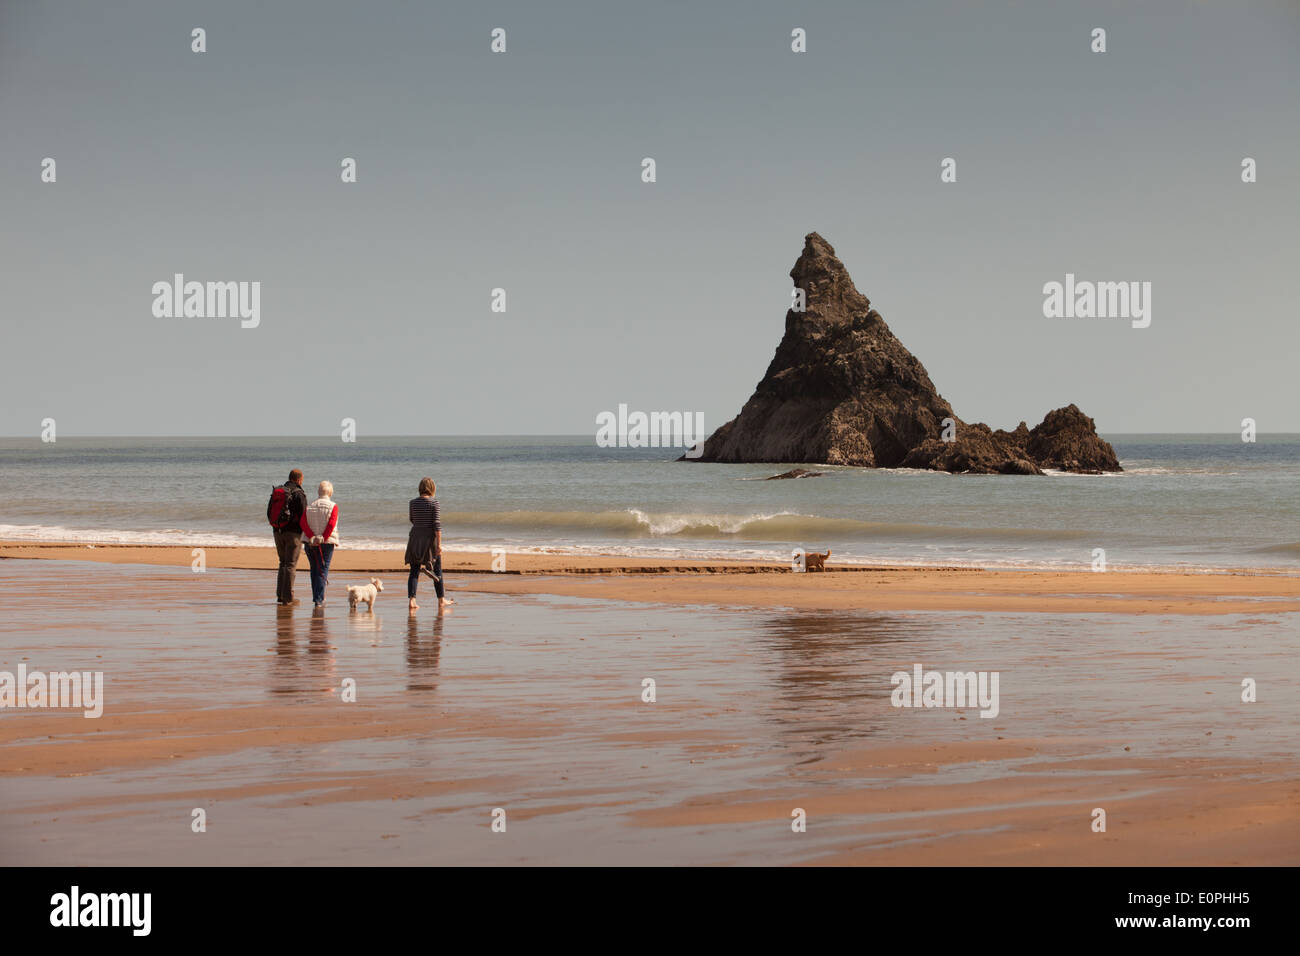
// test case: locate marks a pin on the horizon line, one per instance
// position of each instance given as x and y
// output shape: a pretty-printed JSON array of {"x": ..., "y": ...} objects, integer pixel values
[{"x": 335, "y": 437}]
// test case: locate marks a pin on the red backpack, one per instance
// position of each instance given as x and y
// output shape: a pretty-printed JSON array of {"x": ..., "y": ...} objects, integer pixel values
[{"x": 277, "y": 509}]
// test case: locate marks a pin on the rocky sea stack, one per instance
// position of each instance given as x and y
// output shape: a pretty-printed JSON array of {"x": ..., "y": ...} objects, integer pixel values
[{"x": 842, "y": 390}]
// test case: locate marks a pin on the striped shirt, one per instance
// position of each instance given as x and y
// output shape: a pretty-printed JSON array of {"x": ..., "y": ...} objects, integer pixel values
[{"x": 424, "y": 513}]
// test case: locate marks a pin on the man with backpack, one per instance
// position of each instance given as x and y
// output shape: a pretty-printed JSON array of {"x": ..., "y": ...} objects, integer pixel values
[{"x": 284, "y": 512}]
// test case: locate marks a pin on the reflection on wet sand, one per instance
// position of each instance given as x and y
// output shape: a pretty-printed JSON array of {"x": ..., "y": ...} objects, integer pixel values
[
  {"x": 422, "y": 652},
  {"x": 830, "y": 673},
  {"x": 290, "y": 674},
  {"x": 366, "y": 624}
]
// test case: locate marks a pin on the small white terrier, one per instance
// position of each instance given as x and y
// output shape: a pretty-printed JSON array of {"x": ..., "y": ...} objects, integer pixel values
[{"x": 366, "y": 593}]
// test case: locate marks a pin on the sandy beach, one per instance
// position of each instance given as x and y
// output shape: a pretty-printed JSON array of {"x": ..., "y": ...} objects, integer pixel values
[
  {"x": 1120, "y": 691},
  {"x": 841, "y": 587}
]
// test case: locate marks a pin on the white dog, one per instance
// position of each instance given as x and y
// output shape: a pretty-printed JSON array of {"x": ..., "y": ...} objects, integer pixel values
[{"x": 364, "y": 592}]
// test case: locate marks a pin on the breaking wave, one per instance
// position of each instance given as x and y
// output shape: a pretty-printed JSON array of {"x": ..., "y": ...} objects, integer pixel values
[{"x": 775, "y": 526}]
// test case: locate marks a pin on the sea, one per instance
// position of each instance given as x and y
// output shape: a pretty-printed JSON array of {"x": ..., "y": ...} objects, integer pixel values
[{"x": 1199, "y": 502}]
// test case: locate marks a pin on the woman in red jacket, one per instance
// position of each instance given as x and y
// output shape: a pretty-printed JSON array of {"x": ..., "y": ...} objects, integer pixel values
[{"x": 320, "y": 522}]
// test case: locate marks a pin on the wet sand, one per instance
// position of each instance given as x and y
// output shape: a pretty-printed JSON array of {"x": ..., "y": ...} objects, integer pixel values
[
  {"x": 746, "y": 584},
  {"x": 532, "y": 702}
]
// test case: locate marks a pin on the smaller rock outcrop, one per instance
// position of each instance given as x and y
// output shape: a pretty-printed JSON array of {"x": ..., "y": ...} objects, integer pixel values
[
  {"x": 795, "y": 473},
  {"x": 976, "y": 449},
  {"x": 1067, "y": 440}
]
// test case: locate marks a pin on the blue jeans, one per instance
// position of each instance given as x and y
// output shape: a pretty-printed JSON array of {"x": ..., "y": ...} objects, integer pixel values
[{"x": 319, "y": 559}]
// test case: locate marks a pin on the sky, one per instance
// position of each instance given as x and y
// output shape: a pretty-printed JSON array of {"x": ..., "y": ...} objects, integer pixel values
[{"x": 522, "y": 170}]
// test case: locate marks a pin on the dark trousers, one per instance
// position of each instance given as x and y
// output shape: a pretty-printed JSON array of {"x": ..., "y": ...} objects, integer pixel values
[
  {"x": 413, "y": 579},
  {"x": 319, "y": 559},
  {"x": 288, "y": 544}
]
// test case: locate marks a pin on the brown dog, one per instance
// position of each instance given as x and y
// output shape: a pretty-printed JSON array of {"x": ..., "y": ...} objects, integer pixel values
[{"x": 812, "y": 561}]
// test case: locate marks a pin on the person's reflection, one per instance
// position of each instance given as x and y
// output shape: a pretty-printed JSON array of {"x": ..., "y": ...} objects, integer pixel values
[
  {"x": 285, "y": 670},
  {"x": 422, "y": 652},
  {"x": 319, "y": 651},
  {"x": 318, "y": 633},
  {"x": 284, "y": 646},
  {"x": 290, "y": 676}
]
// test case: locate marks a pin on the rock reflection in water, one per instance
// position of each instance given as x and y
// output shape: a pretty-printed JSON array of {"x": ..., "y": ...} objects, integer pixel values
[{"x": 831, "y": 673}]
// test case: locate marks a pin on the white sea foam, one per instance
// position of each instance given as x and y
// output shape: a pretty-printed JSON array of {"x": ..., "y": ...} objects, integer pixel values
[{"x": 174, "y": 537}]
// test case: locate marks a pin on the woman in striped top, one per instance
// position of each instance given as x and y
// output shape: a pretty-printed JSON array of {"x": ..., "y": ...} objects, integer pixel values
[{"x": 424, "y": 546}]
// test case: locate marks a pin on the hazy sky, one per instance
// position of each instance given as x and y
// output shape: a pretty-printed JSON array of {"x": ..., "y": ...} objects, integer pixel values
[{"x": 522, "y": 170}]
